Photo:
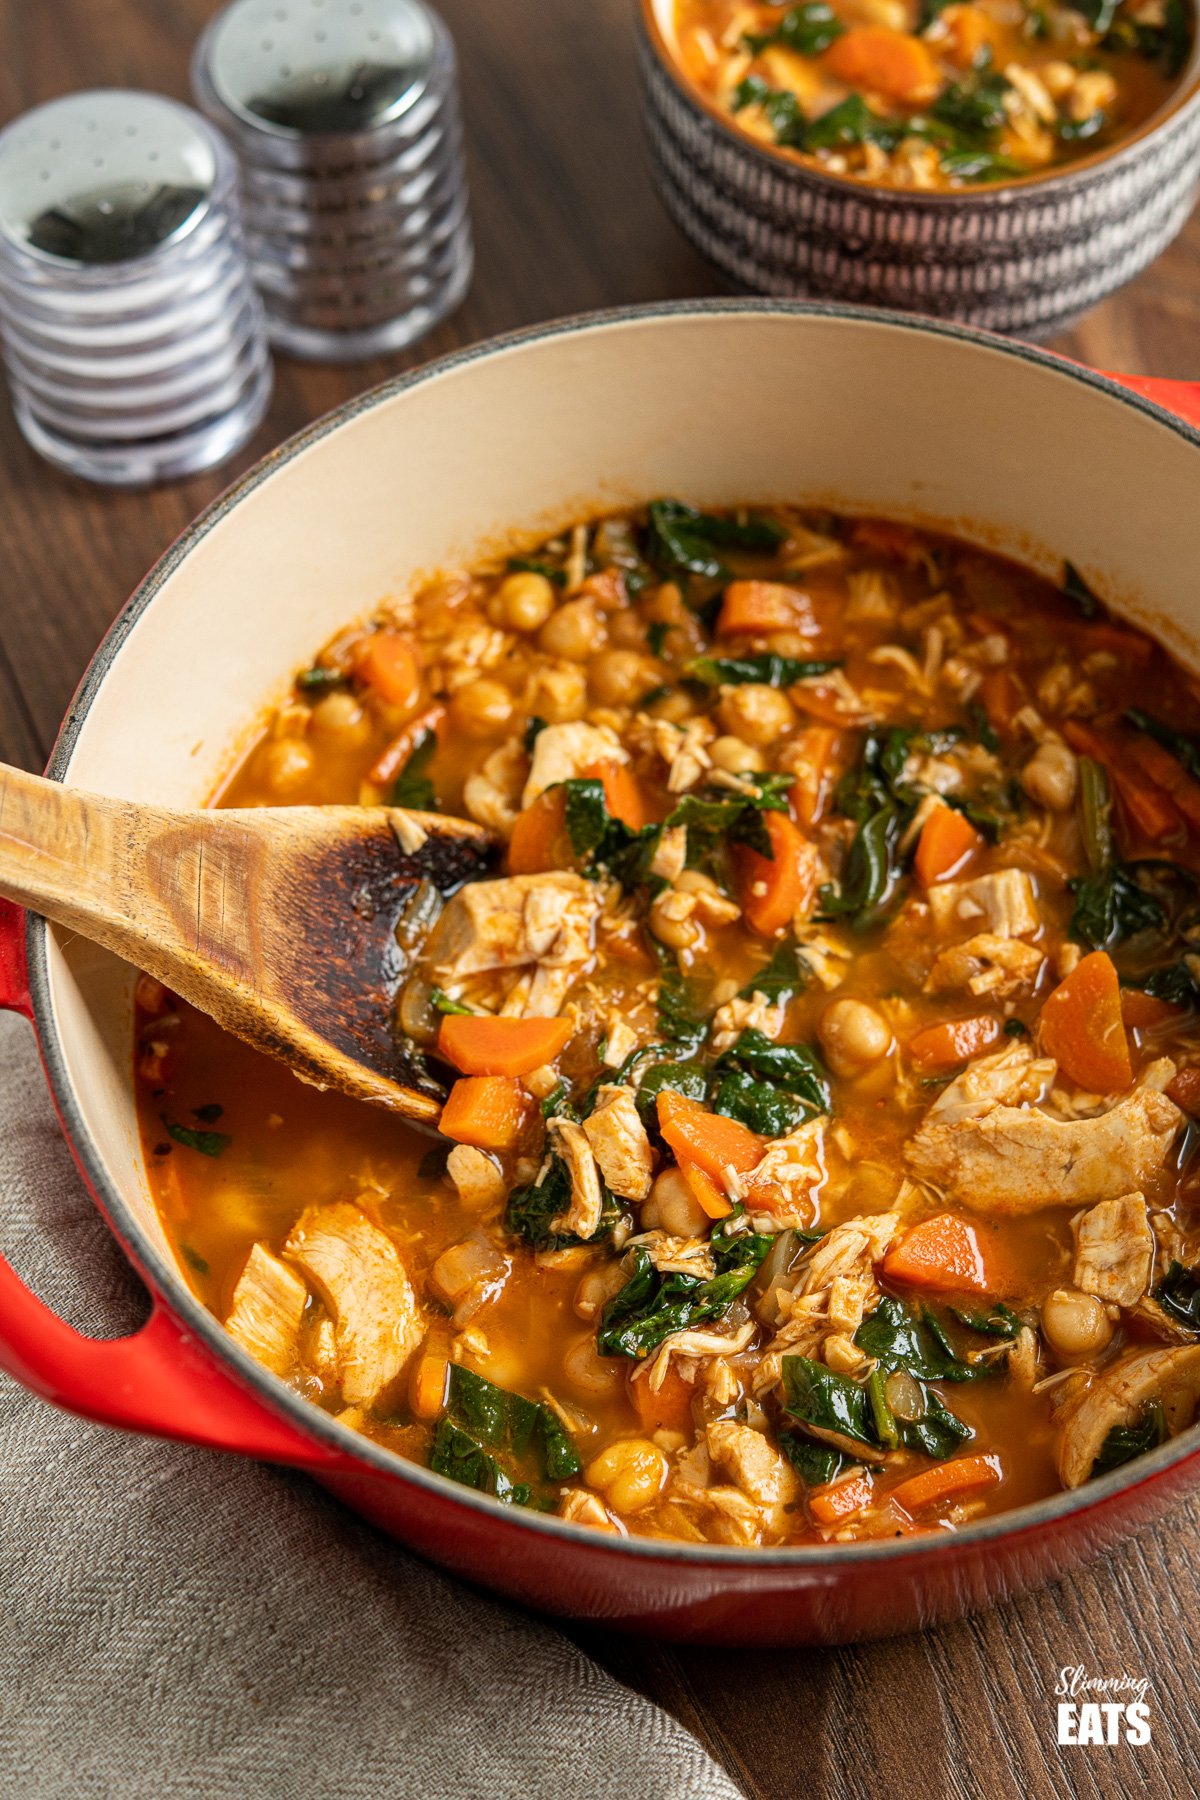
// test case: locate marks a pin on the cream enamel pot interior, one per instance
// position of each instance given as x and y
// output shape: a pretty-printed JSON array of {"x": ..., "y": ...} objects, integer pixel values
[{"x": 713, "y": 402}]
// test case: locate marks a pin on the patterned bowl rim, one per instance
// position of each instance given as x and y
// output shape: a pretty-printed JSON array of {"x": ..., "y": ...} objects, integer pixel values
[{"x": 1052, "y": 183}]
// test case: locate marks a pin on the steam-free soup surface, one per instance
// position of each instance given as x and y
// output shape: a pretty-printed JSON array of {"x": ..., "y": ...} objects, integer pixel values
[{"x": 819, "y": 1063}]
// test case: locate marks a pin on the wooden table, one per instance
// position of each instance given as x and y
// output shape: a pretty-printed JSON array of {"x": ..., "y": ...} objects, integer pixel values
[{"x": 565, "y": 221}]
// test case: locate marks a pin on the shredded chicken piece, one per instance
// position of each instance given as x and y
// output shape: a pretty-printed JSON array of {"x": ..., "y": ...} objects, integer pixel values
[
  {"x": 492, "y": 795},
  {"x": 582, "y": 1507},
  {"x": 477, "y": 1176},
  {"x": 267, "y": 1310},
  {"x": 693, "y": 1343},
  {"x": 738, "y": 1015},
  {"x": 987, "y": 1146},
  {"x": 1114, "y": 1250},
  {"x": 619, "y": 1143},
  {"x": 546, "y": 921},
  {"x": 620, "y": 1041},
  {"x": 782, "y": 1185},
  {"x": 1003, "y": 903},
  {"x": 563, "y": 752},
  {"x": 582, "y": 1217},
  {"x": 986, "y": 964},
  {"x": 1119, "y": 1396},
  {"x": 670, "y": 857},
  {"x": 356, "y": 1271},
  {"x": 677, "y": 1255},
  {"x": 759, "y": 1470}
]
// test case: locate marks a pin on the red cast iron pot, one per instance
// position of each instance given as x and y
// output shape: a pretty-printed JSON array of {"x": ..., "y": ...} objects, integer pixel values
[{"x": 718, "y": 402}]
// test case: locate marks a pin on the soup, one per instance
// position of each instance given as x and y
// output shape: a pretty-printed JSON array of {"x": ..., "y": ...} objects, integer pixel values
[
  {"x": 818, "y": 1064},
  {"x": 934, "y": 96}
]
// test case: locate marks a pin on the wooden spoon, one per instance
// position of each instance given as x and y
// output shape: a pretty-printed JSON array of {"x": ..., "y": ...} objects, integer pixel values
[{"x": 279, "y": 922}]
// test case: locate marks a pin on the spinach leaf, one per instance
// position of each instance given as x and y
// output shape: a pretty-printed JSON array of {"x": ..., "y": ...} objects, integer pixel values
[
  {"x": 784, "y": 975},
  {"x": 822, "y": 1401},
  {"x": 765, "y": 1108},
  {"x": 794, "y": 1067},
  {"x": 782, "y": 110},
  {"x": 978, "y": 165},
  {"x": 538, "y": 565},
  {"x": 1098, "y": 13},
  {"x": 1175, "y": 983},
  {"x": 975, "y": 108},
  {"x": 531, "y": 1209},
  {"x": 938, "y": 1432},
  {"x": 442, "y": 1003},
  {"x": 320, "y": 681},
  {"x": 679, "y": 1016},
  {"x": 999, "y": 1321},
  {"x": 207, "y": 1143},
  {"x": 1183, "y": 748},
  {"x": 808, "y": 30},
  {"x": 898, "y": 1337},
  {"x": 412, "y": 786},
  {"x": 486, "y": 1434},
  {"x": 533, "y": 730},
  {"x": 1110, "y": 906},
  {"x": 682, "y": 540},
  {"x": 767, "y": 670},
  {"x": 688, "y": 1078},
  {"x": 816, "y": 1464},
  {"x": 713, "y": 818},
  {"x": 457, "y": 1454},
  {"x": 870, "y": 872},
  {"x": 850, "y": 122},
  {"x": 1075, "y": 588},
  {"x": 1178, "y": 1293},
  {"x": 603, "y": 841},
  {"x": 1124, "y": 1442},
  {"x": 982, "y": 727},
  {"x": 652, "y": 1305}
]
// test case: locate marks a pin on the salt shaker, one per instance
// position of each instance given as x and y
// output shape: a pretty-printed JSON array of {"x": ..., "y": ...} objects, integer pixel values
[
  {"x": 344, "y": 117},
  {"x": 133, "y": 337}
]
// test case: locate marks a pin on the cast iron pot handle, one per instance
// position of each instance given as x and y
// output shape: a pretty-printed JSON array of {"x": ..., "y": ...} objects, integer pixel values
[{"x": 161, "y": 1381}]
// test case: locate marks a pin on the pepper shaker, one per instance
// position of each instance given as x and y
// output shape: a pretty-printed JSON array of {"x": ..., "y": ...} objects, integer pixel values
[
  {"x": 345, "y": 122},
  {"x": 133, "y": 338}
]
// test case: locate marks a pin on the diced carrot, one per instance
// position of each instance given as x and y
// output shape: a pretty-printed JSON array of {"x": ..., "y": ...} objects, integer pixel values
[
  {"x": 623, "y": 798},
  {"x": 829, "y": 1505},
  {"x": 885, "y": 535},
  {"x": 1145, "y": 1012},
  {"x": 665, "y": 1408},
  {"x": 816, "y": 749},
  {"x": 540, "y": 840},
  {"x": 1081, "y": 1026},
  {"x": 389, "y": 663},
  {"x": 947, "y": 840},
  {"x": 1000, "y": 698},
  {"x": 941, "y": 1254},
  {"x": 607, "y": 588},
  {"x": 955, "y": 1041},
  {"x": 394, "y": 756},
  {"x": 970, "y": 32},
  {"x": 1099, "y": 634},
  {"x": 488, "y": 1111},
  {"x": 706, "y": 1139},
  {"x": 884, "y": 61},
  {"x": 1150, "y": 809},
  {"x": 772, "y": 890},
  {"x": 427, "y": 1380},
  {"x": 1185, "y": 1091},
  {"x": 706, "y": 1191},
  {"x": 759, "y": 606},
  {"x": 1156, "y": 762},
  {"x": 479, "y": 1044},
  {"x": 961, "y": 1476}
]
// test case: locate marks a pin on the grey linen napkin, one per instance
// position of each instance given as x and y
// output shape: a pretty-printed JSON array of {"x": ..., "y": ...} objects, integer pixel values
[{"x": 175, "y": 1623}]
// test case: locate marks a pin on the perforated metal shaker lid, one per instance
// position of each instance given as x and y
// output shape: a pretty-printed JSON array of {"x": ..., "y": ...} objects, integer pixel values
[
  {"x": 100, "y": 178},
  {"x": 319, "y": 68}
]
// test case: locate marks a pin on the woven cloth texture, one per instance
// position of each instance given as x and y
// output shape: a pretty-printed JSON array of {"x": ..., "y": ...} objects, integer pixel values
[{"x": 177, "y": 1624}]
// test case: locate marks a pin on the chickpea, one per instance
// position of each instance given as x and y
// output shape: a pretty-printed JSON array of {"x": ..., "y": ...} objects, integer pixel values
[
  {"x": 482, "y": 709},
  {"x": 557, "y": 694},
  {"x": 630, "y": 1474},
  {"x": 341, "y": 721},
  {"x": 592, "y": 1373},
  {"x": 676, "y": 707},
  {"x": 673, "y": 1207},
  {"x": 671, "y": 920},
  {"x": 620, "y": 677},
  {"x": 1075, "y": 1324},
  {"x": 736, "y": 757},
  {"x": 1051, "y": 776},
  {"x": 287, "y": 765},
  {"x": 756, "y": 713},
  {"x": 627, "y": 629},
  {"x": 853, "y": 1036},
  {"x": 573, "y": 632},
  {"x": 597, "y": 1286},
  {"x": 522, "y": 602}
]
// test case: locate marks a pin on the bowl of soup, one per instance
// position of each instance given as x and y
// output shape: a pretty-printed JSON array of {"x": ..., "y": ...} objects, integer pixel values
[
  {"x": 1008, "y": 165},
  {"x": 808, "y": 1247}
]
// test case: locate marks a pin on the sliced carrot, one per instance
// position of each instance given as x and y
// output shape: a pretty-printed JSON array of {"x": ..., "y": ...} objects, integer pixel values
[
  {"x": 886, "y": 535},
  {"x": 772, "y": 890},
  {"x": 1155, "y": 761},
  {"x": 1185, "y": 1091},
  {"x": 488, "y": 1111},
  {"x": 540, "y": 840},
  {"x": 389, "y": 663},
  {"x": 1000, "y": 698},
  {"x": 706, "y": 1191},
  {"x": 394, "y": 755},
  {"x": 948, "y": 839},
  {"x": 1150, "y": 809},
  {"x": 970, "y": 32},
  {"x": 1081, "y": 1026},
  {"x": 884, "y": 61},
  {"x": 816, "y": 749},
  {"x": 665, "y": 1408},
  {"x": 829, "y": 1505},
  {"x": 481, "y": 1045},
  {"x": 756, "y": 606},
  {"x": 955, "y": 1041},
  {"x": 427, "y": 1380},
  {"x": 961, "y": 1476},
  {"x": 1145, "y": 1012},
  {"x": 623, "y": 798},
  {"x": 941, "y": 1254},
  {"x": 708, "y": 1140},
  {"x": 1128, "y": 646}
]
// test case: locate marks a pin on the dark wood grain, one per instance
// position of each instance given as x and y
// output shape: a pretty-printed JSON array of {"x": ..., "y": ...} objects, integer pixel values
[{"x": 565, "y": 221}]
